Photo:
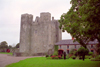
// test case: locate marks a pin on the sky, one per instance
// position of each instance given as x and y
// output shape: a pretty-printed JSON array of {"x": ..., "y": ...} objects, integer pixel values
[{"x": 11, "y": 10}]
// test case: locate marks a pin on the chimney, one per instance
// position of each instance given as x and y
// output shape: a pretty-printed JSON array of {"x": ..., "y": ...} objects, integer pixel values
[
  {"x": 72, "y": 38},
  {"x": 52, "y": 18}
]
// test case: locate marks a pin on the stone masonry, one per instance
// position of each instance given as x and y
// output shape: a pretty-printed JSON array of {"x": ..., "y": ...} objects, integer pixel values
[{"x": 39, "y": 36}]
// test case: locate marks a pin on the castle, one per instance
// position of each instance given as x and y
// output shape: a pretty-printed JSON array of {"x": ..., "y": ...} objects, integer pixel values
[{"x": 39, "y": 37}]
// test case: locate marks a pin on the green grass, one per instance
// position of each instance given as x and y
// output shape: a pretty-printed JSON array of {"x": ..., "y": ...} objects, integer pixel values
[
  {"x": 43, "y": 62},
  {"x": 5, "y": 53}
]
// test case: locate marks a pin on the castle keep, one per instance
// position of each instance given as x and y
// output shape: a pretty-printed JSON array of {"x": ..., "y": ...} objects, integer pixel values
[{"x": 39, "y": 36}]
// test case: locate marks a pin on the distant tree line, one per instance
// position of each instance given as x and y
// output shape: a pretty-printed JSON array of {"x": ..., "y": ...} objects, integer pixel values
[{"x": 4, "y": 46}]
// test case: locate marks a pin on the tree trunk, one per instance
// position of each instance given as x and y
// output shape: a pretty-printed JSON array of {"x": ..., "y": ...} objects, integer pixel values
[{"x": 83, "y": 57}]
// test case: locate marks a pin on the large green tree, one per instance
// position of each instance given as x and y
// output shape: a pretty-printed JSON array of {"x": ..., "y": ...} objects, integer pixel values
[{"x": 82, "y": 21}]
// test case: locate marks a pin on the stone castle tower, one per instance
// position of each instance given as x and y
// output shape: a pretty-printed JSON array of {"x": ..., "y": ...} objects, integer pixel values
[{"x": 39, "y": 36}]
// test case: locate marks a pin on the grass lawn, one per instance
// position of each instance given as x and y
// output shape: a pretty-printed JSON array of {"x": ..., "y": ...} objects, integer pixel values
[
  {"x": 5, "y": 53},
  {"x": 44, "y": 62}
]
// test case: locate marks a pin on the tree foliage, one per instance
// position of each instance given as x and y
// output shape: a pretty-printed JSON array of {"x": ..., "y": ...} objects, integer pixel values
[
  {"x": 3, "y": 44},
  {"x": 9, "y": 46},
  {"x": 82, "y": 21},
  {"x": 17, "y": 46}
]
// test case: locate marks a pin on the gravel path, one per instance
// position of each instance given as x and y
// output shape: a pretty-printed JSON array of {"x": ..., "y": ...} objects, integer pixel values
[{"x": 6, "y": 59}]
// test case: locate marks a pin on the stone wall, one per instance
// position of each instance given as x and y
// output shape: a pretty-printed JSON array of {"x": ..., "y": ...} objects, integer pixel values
[
  {"x": 65, "y": 48},
  {"x": 39, "y": 36},
  {"x": 25, "y": 33}
]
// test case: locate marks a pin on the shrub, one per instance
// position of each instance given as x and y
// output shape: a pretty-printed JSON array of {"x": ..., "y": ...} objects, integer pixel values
[
  {"x": 55, "y": 53},
  {"x": 73, "y": 57},
  {"x": 93, "y": 55},
  {"x": 82, "y": 52},
  {"x": 70, "y": 55},
  {"x": 67, "y": 57},
  {"x": 73, "y": 52},
  {"x": 88, "y": 57},
  {"x": 80, "y": 57},
  {"x": 59, "y": 56},
  {"x": 50, "y": 55},
  {"x": 54, "y": 57},
  {"x": 90, "y": 53},
  {"x": 62, "y": 57},
  {"x": 97, "y": 57},
  {"x": 94, "y": 59},
  {"x": 47, "y": 56}
]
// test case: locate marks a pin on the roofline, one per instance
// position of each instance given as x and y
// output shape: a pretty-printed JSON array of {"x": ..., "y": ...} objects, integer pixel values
[{"x": 72, "y": 44}]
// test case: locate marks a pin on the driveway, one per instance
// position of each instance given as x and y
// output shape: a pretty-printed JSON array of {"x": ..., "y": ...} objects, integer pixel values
[{"x": 6, "y": 59}]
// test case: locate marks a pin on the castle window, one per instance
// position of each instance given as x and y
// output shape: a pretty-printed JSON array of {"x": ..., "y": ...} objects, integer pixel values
[
  {"x": 67, "y": 46},
  {"x": 75, "y": 46},
  {"x": 91, "y": 45}
]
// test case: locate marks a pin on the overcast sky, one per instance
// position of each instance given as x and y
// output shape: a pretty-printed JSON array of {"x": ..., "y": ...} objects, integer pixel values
[{"x": 11, "y": 10}]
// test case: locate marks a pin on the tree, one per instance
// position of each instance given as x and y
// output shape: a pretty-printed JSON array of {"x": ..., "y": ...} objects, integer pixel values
[
  {"x": 82, "y": 52},
  {"x": 82, "y": 21},
  {"x": 17, "y": 46},
  {"x": 9, "y": 46},
  {"x": 64, "y": 55},
  {"x": 4, "y": 44}
]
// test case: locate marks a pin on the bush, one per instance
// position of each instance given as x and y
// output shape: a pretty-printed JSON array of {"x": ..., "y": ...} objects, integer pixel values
[
  {"x": 50, "y": 55},
  {"x": 82, "y": 52},
  {"x": 47, "y": 56},
  {"x": 73, "y": 52},
  {"x": 93, "y": 55},
  {"x": 73, "y": 57},
  {"x": 54, "y": 57},
  {"x": 70, "y": 55},
  {"x": 59, "y": 56},
  {"x": 67, "y": 57},
  {"x": 55, "y": 53},
  {"x": 97, "y": 57},
  {"x": 80, "y": 57},
  {"x": 94, "y": 59},
  {"x": 90, "y": 53},
  {"x": 62, "y": 57},
  {"x": 88, "y": 57}
]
